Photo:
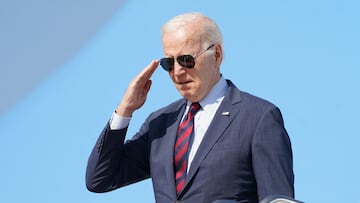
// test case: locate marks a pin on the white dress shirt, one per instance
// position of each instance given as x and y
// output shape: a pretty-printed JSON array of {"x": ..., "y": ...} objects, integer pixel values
[{"x": 209, "y": 105}]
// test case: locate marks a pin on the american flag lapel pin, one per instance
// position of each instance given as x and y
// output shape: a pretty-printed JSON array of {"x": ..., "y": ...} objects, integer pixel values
[{"x": 225, "y": 113}]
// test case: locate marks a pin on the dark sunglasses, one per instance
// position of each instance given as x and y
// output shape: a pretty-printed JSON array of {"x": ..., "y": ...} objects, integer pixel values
[{"x": 186, "y": 61}]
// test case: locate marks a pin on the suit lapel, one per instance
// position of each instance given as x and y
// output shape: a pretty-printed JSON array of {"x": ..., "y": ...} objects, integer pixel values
[{"x": 222, "y": 119}]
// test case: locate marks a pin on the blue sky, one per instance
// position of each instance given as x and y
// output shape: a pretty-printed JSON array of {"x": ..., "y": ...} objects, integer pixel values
[{"x": 301, "y": 55}]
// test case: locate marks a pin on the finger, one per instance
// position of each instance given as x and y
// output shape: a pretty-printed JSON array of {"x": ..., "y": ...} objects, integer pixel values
[
  {"x": 147, "y": 72},
  {"x": 147, "y": 87}
]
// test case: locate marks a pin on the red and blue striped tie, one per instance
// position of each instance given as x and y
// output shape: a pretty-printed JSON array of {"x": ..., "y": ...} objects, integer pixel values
[{"x": 182, "y": 145}]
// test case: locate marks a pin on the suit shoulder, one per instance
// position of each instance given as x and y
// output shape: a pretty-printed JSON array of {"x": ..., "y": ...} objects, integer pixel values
[
  {"x": 255, "y": 100},
  {"x": 174, "y": 106},
  {"x": 247, "y": 99},
  {"x": 254, "y": 105}
]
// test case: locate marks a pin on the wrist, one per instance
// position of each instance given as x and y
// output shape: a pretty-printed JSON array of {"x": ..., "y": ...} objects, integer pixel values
[{"x": 123, "y": 112}]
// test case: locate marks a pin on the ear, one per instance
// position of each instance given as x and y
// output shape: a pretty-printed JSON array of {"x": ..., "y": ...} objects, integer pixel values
[{"x": 218, "y": 54}]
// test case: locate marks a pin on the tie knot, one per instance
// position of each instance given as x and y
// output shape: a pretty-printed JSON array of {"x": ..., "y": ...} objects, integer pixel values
[{"x": 194, "y": 108}]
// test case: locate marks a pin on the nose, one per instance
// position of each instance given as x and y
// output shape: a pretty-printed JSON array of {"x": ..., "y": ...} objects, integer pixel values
[{"x": 178, "y": 69}]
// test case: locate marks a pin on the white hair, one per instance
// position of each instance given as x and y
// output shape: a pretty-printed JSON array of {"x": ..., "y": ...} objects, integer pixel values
[{"x": 209, "y": 30}]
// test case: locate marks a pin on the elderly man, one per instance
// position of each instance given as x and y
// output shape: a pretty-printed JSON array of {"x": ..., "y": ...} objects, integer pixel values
[{"x": 216, "y": 143}]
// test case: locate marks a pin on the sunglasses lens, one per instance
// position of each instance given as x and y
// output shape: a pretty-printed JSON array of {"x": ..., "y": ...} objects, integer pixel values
[
  {"x": 186, "y": 61},
  {"x": 167, "y": 63}
]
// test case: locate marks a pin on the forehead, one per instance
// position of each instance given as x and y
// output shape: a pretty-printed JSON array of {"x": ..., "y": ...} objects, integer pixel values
[{"x": 180, "y": 41}]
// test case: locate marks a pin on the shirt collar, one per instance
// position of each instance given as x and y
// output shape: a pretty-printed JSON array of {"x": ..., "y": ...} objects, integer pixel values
[{"x": 215, "y": 95}]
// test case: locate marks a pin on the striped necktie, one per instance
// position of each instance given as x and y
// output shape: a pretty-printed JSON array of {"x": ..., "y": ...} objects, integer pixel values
[{"x": 184, "y": 133}]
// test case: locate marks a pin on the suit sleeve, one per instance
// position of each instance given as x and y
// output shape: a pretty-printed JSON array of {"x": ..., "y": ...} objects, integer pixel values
[
  {"x": 272, "y": 156},
  {"x": 113, "y": 163}
]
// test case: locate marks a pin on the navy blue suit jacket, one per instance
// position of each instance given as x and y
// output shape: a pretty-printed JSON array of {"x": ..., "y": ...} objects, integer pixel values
[{"x": 245, "y": 155}]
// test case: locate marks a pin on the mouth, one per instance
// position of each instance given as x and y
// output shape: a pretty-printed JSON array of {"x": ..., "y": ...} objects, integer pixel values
[
  {"x": 184, "y": 82},
  {"x": 184, "y": 85}
]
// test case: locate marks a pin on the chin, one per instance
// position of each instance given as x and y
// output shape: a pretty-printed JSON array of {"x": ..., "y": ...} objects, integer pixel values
[
  {"x": 187, "y": 95},
  {"x": 191, "y": 97}
]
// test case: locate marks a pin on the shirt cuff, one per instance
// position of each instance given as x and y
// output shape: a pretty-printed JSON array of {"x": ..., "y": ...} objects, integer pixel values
[{"x": 118, "y": 122}]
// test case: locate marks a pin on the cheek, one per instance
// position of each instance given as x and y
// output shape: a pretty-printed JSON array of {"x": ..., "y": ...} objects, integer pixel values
[
  {"x": 171, "y": 75},
  {"x": 207, "y": 77}
]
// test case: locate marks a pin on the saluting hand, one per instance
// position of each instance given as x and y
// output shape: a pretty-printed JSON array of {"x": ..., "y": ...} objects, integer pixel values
[{"x": 135, "y": 95}]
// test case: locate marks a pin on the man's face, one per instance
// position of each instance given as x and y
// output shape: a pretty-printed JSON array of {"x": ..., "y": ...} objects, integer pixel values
[{"x": 192, "y": 83}]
